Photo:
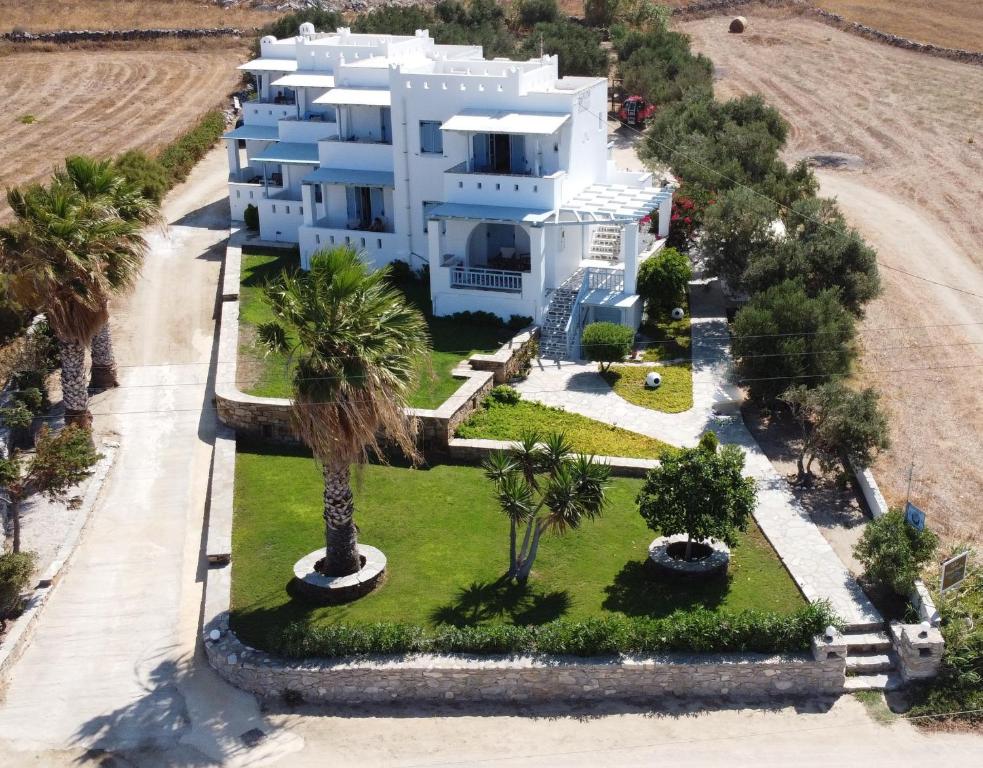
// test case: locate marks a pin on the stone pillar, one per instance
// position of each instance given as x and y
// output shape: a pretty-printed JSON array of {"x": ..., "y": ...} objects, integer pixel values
[
  {"x": 629, "y": 241},
  {"x": 919, "y": 649},
  {"x": 439, "y": 275},
  {"x": 534, "y": 284},
  {"x": 665, "y": 213},
  {"x": 829, "y": 646},
  {"x": 232, "y": 148},
  {"x": 307, "y": 195}
]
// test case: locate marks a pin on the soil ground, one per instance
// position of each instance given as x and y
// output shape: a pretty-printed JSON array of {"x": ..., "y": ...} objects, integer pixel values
[
  {"x": 103, "y": 102},
  {"x": 46, "y": 15},
  {"x": 951, "y": 23},
  {"x": 914, "y": 126}
]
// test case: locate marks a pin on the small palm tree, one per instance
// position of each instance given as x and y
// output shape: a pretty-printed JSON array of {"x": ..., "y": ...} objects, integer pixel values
[
  {"x": 65, "y": 255},
  {"x": 540, "y": 482},
  {"x": 99, "y": 182},
  {"x": 359, "y": 344}
]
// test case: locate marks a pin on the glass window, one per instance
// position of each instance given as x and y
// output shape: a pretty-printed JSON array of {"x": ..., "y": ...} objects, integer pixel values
[{"x": 431, "y": 139}]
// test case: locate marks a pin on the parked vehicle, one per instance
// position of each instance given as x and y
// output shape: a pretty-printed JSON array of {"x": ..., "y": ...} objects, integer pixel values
[{"x": 635, "y": 111}]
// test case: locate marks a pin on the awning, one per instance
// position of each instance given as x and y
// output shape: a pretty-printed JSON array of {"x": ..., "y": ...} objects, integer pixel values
[
  {"x": 365, "y": 97},
  {"x": 270, "y": 65},
  {"x": 355, "y": 177},
  {"x": 606, "y": 202},
  {"x": 288, "y": 152},
  {"x": 488, "y": 213},
  {"x": 306, "y": 80},
  {"x": 478, "y": 121},
  {"x": 254, "y": 132}
]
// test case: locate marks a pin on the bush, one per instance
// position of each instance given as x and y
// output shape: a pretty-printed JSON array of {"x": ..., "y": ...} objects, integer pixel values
[
  {"x": 532, "y": 12},
  {"x": 480, "y": 317},
  {"x": 250, "y": 217},
  {"x": 503, "y": 394},
  {"x": 893, "y": 553},
  {"x": 288, "y": 24},
  {"x": 144, "y": 172},
  {"x": 518, "y": 322},
  {"x": 400, "y": 271},
  {"x": 16, "y": 570},
  {"x": 579, "y": 48},
  {"x": 606, "y": 343},
  {"x": 699, "y": 631},
  {"x": 663, "y": 280},
  {"x": 180, "y": 157}
]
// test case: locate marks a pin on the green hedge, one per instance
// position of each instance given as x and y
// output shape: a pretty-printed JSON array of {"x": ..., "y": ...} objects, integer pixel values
[{"x": 699, "y": 631}]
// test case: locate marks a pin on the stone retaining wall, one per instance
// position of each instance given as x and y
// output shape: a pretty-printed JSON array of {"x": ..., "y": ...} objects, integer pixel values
[
  {"x": 114, "y": 35},
  {"x": 474, "y": 451}
]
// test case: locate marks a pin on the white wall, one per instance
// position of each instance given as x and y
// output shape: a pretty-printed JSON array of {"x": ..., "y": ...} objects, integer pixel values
[
  {"x": 241, "y": 195},
  {"x": 279, "y": 220}
]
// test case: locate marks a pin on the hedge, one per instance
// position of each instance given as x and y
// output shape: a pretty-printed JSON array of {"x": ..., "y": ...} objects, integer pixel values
[{"x": 697, "y": 631}]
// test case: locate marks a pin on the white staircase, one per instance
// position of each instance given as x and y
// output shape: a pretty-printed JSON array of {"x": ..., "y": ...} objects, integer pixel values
[
  {"x": 870, "y": 662},
  {"x": 553, "y": 331},
  {"x": 605, "y": 244}
]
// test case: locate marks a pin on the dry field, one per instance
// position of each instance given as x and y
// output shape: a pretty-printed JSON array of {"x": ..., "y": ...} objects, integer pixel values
[
  {"x": 914, "y": 125},
  {"x": 45, "y": 15},
  {"x": 103, "y": 102},
  {"x": 951, "y": 23}
]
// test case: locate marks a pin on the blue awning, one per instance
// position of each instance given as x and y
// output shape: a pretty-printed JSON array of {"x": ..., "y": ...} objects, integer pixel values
[
  {"x": 353, "y": 176},
  {"x": 291, "y": 153},
  {"x": 254, "y": 132},
  {"x": 489, "y": 213}
]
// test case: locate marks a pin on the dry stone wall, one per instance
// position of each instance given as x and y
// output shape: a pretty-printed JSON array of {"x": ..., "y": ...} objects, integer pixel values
[{"x": 116, "y": 35}]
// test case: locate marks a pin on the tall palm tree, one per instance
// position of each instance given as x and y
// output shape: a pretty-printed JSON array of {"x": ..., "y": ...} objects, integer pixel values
[
  {"x": 99, "y": 182},
  {"x": 65, "y": 255},
  {"x": 358, "y": 344}
]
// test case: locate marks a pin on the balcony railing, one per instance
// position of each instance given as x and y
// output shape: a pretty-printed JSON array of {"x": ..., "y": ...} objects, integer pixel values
[
  {"x": 486, "y": 279},
  {"x": 463, "y": 167},
  {"x": 599, "y": 278}
]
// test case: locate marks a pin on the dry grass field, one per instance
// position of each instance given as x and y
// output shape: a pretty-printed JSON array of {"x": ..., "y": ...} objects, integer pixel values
[
  {"x": 951, "y": 23},
  {"x": 914, "y": 125},
  {"x": 44, "y": 15},
  {"x": 103, "y": 102}
]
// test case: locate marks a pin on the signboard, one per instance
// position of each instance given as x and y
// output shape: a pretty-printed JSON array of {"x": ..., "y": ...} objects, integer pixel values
[
  {"x": 954, "y": 571},
  {"x": 914, "y": 516}
]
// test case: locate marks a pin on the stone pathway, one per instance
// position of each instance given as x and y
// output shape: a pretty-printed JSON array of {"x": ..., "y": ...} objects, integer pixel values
[{"x": 810, "y": 559}]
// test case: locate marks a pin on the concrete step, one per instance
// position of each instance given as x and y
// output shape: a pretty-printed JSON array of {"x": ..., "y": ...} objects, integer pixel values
[
  {"x": 863, "y": 627},
  {"x": 880, "y": 682},
  {"x": 868, "y": 664},
  {"x": 867, "y": 641}
]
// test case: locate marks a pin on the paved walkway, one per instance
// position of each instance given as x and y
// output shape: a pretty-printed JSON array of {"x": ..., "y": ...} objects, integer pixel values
[{"x": 808, "y": 556}]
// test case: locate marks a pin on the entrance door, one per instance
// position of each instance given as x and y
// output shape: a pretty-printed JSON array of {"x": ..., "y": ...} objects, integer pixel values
[{"x": 501, "y": 146}]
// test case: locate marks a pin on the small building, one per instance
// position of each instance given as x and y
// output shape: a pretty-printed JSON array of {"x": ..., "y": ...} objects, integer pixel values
[{"x": 495, "y": 174}]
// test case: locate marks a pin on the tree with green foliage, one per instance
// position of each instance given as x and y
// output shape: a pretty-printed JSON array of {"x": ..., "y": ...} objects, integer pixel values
[
  {"x": 60, "y": 461},
  {"x": 324, "y": 20},
  {"x": 606, "y": 343},
  {"x": 578, "y": 48},
  {"x": 821, "y": 252},
  {"x": 736, "y": 227},
  {"x": 532, "y": 12},
  {"x": 143, "y": 172},
  {"x": 601, "y": 13},
  {"x": 542, "y": 484},
  {"x": 359, "y": 344},
  {"x": 838, "y": 424},
  {"x": 893, "y": 552},
  {"x": 663, "y": 280},
  {"x": 250, "y": 217},
  {"x": 784, "y": 337},
  {"x": 16, "y": 569},
  {"x": 700, "y": 492}
]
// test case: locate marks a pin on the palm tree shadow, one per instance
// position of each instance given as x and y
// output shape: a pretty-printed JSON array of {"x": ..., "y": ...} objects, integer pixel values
[
  {"x": 501, "y": 600},
  {"x": 638, "y": 591}
]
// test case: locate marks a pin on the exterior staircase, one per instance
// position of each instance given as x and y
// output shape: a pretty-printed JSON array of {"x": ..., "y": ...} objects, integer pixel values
[
  {"x": 605, "y": 244},
  {"x": 553, "y": 330},
  {"x": 870, "y": 664}
]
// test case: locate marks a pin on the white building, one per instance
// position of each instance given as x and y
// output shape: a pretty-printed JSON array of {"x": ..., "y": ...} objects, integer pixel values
[{"x": 495, "y": 173}]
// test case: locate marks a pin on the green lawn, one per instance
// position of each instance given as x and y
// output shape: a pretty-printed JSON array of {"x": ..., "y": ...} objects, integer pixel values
[
  {"x": 673, "y": 396},
  {"x": 447, "y": 546},
  {"x": 499, "y": 421},
  {"x": 270, "y": 372},
  {"x": 666, "y": 339}
]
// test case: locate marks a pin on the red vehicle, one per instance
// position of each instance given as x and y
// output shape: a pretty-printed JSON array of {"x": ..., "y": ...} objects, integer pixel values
[{"x": 635, "y": 111}]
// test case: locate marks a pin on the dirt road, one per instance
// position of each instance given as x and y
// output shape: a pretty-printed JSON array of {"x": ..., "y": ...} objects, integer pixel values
[{"x": 914, "y": 126}]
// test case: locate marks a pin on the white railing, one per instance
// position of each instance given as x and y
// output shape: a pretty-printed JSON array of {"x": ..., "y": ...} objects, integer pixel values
[
  {"x": 486, "y": 279},
  {"x": 599, "y": 278},
  {"x": 575, "y": 321}
]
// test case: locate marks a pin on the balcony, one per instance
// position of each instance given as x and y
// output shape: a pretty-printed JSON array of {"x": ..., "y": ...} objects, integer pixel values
[
  {"x": 376, "y": 247},
  {"x": 266, "y": 112},
  {"x": 462, "y": 185},
  {"x": 482, "y": 279},
  {"x": 308, "y": 130},
  {"x": 336, "y": 152}
]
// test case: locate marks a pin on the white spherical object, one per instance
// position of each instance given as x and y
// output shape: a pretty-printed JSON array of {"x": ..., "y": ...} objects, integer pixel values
[
  {"x": 653, "y": 380},
  {"x": 214, "y": 635},
  {"x": 678, "y": 313}
]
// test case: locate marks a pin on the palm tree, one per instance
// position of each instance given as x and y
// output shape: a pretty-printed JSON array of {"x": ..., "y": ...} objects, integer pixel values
[
  {"x": 358, "y": 344},
  {"x": 98, "y": 181},
  {"x": 65, "y": 255}
]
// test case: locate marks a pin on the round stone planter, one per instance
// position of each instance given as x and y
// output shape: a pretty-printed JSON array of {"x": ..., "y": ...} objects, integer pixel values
[
  {"x": 339, "y": 589},
  {"x": 714, "y": 563}
]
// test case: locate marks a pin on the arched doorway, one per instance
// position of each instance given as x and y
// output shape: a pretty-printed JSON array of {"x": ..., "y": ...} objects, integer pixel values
[{"x": 499, "y": 246}]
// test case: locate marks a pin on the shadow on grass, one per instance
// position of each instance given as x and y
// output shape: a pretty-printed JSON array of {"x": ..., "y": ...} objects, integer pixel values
[
  {"x": 259, "y": 275},
  {"x": 501, "y": 601},
  {"x": 638, "y": 591}
]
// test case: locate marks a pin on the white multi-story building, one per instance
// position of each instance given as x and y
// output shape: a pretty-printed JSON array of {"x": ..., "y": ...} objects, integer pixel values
[{"x": 494, "y": 173}]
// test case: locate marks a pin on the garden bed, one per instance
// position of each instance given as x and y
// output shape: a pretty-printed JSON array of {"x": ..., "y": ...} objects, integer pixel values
[{"x": 446, "y": 545}]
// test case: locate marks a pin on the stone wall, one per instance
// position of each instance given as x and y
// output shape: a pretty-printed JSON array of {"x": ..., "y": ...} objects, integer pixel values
[
  {"x": 114, "y": 35},
  {"x": 474, "y": 451}
]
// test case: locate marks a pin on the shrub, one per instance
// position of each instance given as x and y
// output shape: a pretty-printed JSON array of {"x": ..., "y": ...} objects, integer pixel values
[
  {"x": 518, "y": 322},
  {"x": 532, "y": 12},
  {"x": 179, "y": 157},
  {"x": 700, "y": 631},
  {"x": 606, "y": 343},
  {"x": 144, "y": 172},
  {"x": 400, "y": 271},
  {"x": 250, "y": 217},
  {"x": 16, "y": 569},
  {"x": 893, "y": 553},
  {"x": 504, "y": 394},
  {"x": 479, "y": 317},
  {"x": 663, "y": 280},
  {"x": 579, "y": 48}
]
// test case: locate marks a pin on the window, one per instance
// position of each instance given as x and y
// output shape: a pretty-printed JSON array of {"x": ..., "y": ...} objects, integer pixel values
[
  {"x": 318, "y": 193},
  {"x": 274, "y": 208},
  {"x": 431, "y": 139}
]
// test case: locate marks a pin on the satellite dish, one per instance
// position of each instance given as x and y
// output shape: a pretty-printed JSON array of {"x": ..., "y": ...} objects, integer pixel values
[
  {"x": 653, "y": 380},
  {"x": 678, "y": 313}
]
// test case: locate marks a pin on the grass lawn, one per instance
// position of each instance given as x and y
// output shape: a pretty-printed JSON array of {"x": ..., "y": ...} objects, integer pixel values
[
  {"x": 499, "y": 421},
  {"x": 270, "y": 372},
  {"x": 447, "y": 544},
  {"x": 668, "y": 339},
  {"x": 673, "y": 396}
]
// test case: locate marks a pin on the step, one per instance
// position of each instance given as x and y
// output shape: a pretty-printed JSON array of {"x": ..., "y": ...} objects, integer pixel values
[
  {"x": 881, "y": 682},
  {"x": 867, "y": 641},
  {"x": 863, "y": 627},
  {"x": 868, "y": 665}
]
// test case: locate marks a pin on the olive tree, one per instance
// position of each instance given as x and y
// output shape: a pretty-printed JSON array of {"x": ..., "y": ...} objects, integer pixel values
[{"x": 893, "y": 552}]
